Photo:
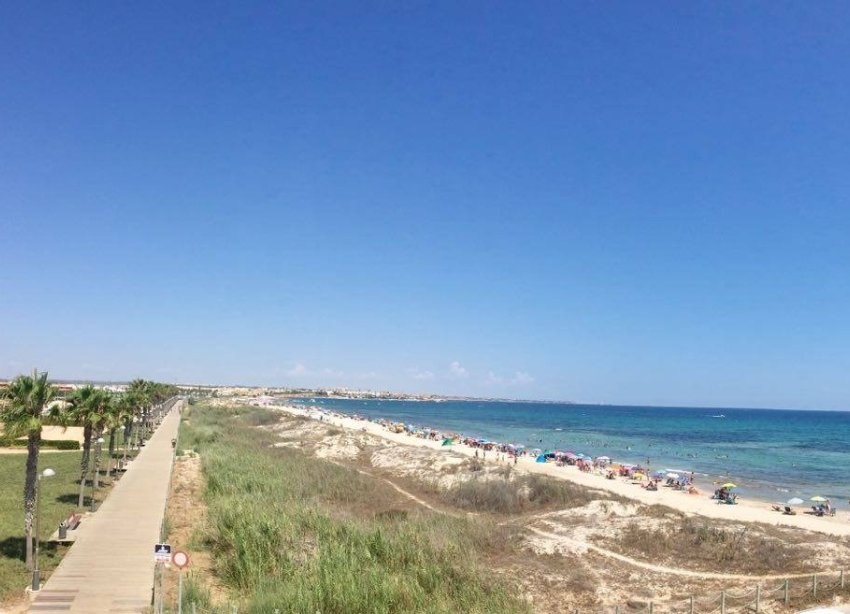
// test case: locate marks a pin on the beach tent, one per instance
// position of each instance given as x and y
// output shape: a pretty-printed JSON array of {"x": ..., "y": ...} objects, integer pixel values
[
  {"x": 447, "y": 441},
  {"x": 794, "y": 501},
  {"x": 541, "y": 458}
]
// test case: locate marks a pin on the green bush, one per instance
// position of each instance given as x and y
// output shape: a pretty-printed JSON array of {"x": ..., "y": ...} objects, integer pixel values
[
  {"x": 61, "y": 444},
  {"x": 55, "y": 444}
]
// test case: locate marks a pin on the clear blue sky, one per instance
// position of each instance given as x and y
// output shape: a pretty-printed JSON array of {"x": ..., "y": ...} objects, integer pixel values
[{"x": 605, "y": 202}]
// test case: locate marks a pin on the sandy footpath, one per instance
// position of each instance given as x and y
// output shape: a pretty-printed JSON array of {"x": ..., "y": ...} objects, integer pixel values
[{"x": 745, "y": 511}]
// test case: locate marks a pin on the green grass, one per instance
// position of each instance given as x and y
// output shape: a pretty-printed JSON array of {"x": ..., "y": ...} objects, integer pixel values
[
  {"x": 58, "y": 499},
  {"x": 294, "y": 533}
]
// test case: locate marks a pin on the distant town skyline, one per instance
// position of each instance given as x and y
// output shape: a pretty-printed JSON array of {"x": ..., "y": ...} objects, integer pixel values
[{"x": 606, "y": 203}]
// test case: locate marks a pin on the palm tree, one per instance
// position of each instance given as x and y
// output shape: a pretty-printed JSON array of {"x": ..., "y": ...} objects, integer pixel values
[
  {"x": 140, "y": 390},
  {"x": 25, "y": 400},
  {"x": 128, "y": 426},
  {"x": 84, "y": 411},
  {"x": 103, "y": 420},
  {"x": 122, "y": 413}
]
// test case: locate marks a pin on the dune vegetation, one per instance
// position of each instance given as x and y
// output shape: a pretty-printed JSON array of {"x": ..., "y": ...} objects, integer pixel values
[{"x": 287, "y": 531}]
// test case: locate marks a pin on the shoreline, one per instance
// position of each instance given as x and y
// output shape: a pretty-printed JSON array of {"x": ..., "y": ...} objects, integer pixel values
[{"x": 701, "y": 505}]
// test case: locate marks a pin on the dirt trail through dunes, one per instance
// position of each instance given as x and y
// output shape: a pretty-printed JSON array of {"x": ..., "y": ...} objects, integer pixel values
[
  {"x": 574, "y": 545},
  {"x": 409, "y": 495},
  {"x": 555, "y": 540}
]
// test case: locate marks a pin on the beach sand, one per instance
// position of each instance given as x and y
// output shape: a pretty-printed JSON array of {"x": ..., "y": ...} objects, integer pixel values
[{"x": 702, "y": 504}]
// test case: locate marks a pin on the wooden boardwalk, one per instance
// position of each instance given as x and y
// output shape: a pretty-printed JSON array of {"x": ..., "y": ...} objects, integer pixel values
[{"x": 110, "y": 567}]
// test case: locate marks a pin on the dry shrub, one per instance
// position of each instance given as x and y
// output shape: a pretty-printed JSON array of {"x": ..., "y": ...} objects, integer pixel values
[
  {"x": 518, "y": 494},
  {"x": 700, "y": 544}
]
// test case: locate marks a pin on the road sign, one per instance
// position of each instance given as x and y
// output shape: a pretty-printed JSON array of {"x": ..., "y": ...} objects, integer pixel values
[
  {"x": 162, "y": 553},
  {"x": 180, "y": 559}
]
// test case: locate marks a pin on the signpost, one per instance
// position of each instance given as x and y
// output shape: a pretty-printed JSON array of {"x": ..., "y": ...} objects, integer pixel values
[
  {"x": 180, "y": 560},
  {"x": 161, "y": 556},
  {"x": 162, "y": 553}
]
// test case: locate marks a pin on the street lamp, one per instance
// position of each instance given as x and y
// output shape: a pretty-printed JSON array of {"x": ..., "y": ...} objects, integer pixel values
[
  {"x": 36, "y": 572},
  {"x": 94, "y": 483}
]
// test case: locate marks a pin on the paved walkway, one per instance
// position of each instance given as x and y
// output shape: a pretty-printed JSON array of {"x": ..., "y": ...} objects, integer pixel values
[{"x": 110, "y": 567}]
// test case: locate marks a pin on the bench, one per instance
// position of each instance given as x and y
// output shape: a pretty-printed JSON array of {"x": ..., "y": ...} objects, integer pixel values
[{"x": 71, "y": 522}]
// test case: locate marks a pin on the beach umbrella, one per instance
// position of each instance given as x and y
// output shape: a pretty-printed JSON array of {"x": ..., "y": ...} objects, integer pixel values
[
  {"x": 729, "y": 485},
  {"x": 818, "y": 499},
  {"x": 603, "y": 458},
  {"x": 541, "y": 459},
  {"x": 673, "y": 475},
  {"x": 794, "y": 501}
]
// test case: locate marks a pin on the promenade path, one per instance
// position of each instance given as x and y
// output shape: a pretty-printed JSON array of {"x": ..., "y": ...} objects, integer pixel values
[{"x": 110, "y": 567}]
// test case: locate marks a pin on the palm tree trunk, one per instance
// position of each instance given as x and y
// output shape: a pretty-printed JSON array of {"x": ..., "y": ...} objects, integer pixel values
[
  {"x": 84, "y": 463},
  {"x": 33, "y": 447},
  {"x": 111, "y": 450},
  {"x": 128, "y": 429},
  {"x": 97, "y": 460}
]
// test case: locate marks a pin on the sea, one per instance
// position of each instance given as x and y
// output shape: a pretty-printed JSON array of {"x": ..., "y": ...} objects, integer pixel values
[{"x": 772, "y": 455}]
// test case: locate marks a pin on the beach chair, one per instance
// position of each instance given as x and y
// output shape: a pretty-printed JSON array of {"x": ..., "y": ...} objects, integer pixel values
[{"x": 788, "y": 511}]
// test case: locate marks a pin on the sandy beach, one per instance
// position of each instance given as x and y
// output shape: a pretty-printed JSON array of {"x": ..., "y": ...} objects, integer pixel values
[{"x": 702, "y": 504}]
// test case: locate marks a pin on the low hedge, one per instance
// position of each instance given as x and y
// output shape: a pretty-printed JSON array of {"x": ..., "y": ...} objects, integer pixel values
[{"x": 55, "y": 444}]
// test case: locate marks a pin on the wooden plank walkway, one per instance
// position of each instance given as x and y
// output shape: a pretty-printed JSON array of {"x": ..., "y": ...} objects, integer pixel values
[{"x": 110, "y": 567}]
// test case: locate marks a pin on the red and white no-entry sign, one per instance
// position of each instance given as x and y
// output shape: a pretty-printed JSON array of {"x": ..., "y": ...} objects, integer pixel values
[{"x": 180, "y": 559}]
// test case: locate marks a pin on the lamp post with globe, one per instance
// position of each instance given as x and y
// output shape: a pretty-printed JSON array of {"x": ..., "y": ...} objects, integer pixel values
[{"x": 36, "y": 572}]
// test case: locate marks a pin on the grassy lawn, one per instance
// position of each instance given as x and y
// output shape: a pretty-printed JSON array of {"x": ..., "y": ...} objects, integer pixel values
[
  {"x": 289, "y": 532},
  {"x": 58, "y": 499}
]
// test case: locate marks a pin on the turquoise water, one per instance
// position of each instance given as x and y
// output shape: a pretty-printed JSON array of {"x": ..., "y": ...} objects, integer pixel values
[{"x": 771, "y": 454}]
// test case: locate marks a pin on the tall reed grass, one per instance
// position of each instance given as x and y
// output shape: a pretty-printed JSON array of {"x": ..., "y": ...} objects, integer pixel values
[{"x": 293, "y": 533}]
